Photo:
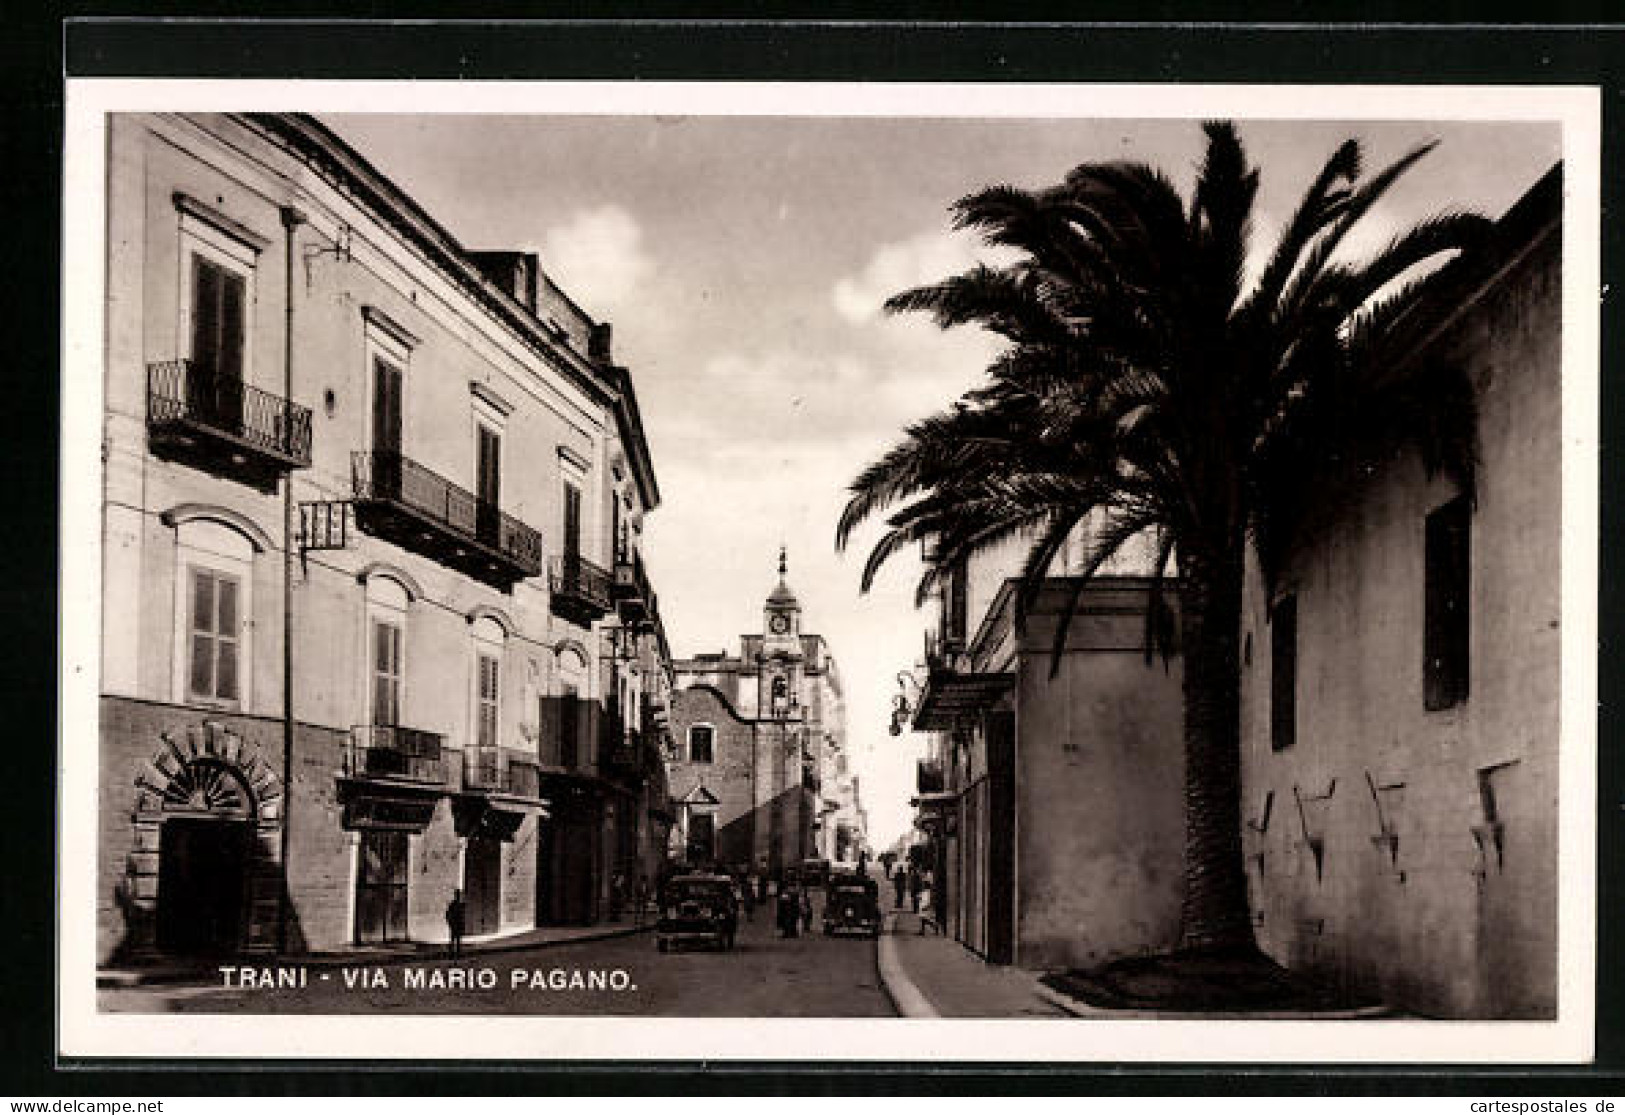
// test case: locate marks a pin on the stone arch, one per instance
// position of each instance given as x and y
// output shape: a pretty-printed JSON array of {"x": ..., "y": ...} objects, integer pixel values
[
  {"x": 248, "y": 528},
  {"x": 568, "y": 648},
  {"x": 495, "y": 615},
  {"x": 209, "y": 771},
  {"x": 413, "y": 590}
]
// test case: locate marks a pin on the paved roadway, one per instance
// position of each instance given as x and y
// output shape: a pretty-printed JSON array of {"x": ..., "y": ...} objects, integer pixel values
[{"x": 764, "y": 976}]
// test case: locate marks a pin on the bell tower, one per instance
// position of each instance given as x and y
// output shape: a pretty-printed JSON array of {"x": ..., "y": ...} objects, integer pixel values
[{"x": 780, "y": 667}]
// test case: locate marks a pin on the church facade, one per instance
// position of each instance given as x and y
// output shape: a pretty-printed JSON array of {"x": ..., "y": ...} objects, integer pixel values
[{"x": 760, "y": 776}]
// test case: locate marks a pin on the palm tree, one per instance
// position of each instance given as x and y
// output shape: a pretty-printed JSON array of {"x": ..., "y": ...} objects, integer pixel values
[{"x": 1148, "y": 390}]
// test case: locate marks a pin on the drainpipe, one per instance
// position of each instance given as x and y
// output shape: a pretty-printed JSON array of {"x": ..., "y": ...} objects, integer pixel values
[{"x": 291, "y": 220}]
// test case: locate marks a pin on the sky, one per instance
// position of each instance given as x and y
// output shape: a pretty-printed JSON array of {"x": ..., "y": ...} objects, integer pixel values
[{"x": 743, "y": 262}]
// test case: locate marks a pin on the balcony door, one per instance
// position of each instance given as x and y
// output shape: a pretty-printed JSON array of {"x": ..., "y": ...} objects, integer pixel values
[
  {"x": 215, "y": 385},
  {"x": 572, "y": 521},
  {"x": 386, "y": 429},
  {"x": 488, "y": 473}
]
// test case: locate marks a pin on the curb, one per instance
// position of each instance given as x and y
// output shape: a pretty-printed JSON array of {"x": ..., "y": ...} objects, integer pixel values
[
  {"x": 132, "y": 977},
  {"x": 905, "y": 996},
  {"x": 1077, "y": 1008}
]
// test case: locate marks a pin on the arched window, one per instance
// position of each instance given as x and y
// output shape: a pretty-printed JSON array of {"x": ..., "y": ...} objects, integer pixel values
[
  {"x": 387, "y": 600},
  {"x": 488, "y": 644},
  {"x": 214, "y": 610},
  {"x": 701, "y": 743}
]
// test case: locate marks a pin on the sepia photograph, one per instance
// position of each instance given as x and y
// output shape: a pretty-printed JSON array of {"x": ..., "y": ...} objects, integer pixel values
[{"x": 623, "y": 570}]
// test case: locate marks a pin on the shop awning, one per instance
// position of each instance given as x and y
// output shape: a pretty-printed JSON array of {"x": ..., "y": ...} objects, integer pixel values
[{"x": 950, "y": 697}]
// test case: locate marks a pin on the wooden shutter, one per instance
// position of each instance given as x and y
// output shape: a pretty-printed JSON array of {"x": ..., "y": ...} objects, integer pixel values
[
  {"x": 489, "y": 667},
  {"x": 386, "y": 700},
  {"x": 490, "y": 456},
  {"x": 386, "y": 408},
  {"x": 572, "y": 520}
]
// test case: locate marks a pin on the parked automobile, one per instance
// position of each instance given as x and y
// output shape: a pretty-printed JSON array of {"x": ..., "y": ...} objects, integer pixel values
[
  {"x": 852, "y": 905},
  {"x": 697, "y": 908},
  {"x": 814, "y": 872}
]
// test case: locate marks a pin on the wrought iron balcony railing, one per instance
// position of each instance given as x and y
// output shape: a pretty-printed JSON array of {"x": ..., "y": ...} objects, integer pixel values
[
  {"x": 581, "y": 590},
  {"x": 498, "y": 770},
  {"x": 633, "y": 597},
  {"x": 389, "y": 751},
  {"x": 416, "y": 507},
  {"x": 943, "y": 651},
  {"x": 194, "y": 407},
  {"x": 929, "y": 778},
  {"x": 623, "y": 751}
]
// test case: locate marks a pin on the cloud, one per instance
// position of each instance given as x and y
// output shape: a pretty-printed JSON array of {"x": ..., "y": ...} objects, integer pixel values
[
  {"x": 908, "y": 263},
  {"x": 598, "y": 256}
]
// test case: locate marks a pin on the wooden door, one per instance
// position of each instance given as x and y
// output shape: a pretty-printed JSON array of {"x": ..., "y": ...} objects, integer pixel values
[{"x": 482, "y": 885}]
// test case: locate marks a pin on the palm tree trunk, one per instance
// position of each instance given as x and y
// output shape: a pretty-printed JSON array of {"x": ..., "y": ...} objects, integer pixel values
[{"x": 1214, "y": 913}]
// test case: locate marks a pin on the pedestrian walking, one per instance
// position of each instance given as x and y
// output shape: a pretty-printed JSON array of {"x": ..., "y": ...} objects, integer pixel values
[
  {"x": 789, "y": 912},
  {"x": 916, "y": 883},
  {"x": 806, "y": 910},
  {"x": 899, "y": 881},
  {"x": 454, "y": 922}
]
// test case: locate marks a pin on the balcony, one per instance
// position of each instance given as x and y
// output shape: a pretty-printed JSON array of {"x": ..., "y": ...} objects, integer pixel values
[
  {"x": 501, "y": 788},
  {"x": 403, "y": 502},
  {"x": 634, "y": 599},
  {"x": 222, "y": 425},
  {"x": 622, "y": 752},
  {"x": 500, "y": 771},
  {"x": 943, "y": 651},
  {"x": 581, "y": 590},
  {"x": 928, "y": 777},
  {"x": 389, "y": 752}
]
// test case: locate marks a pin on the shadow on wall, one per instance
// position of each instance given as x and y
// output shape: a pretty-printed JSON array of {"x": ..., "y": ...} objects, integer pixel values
[{"x": 785, "y": 824}]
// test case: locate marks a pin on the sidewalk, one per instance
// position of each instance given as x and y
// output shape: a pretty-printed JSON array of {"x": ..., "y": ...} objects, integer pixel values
[
  {"x": 932, "y": 976},
  {"x": 544, "y": 937}
]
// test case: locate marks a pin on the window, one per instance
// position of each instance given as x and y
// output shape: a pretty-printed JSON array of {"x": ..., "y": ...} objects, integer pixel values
[
  {"x": 386, "y": 672},
  {"x": 217, "y": 261},
  {"x": 572, "y": 519},
  {"x": 487, "y": 701},
  {"x": 1284, "y": 673},
  {"x": 387, "y": 604},
  {"x": 218, "y": 295},
  {"x": 955, "y": 605},
  {"x": 488, "y": 453},
  {"x": 214, "y": 631},
  {"x": 701, "y": 737},
  {"x": 1447, "y": 577}
]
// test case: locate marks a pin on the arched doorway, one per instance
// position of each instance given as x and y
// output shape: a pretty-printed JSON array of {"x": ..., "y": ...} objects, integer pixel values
[
  {"x": 203, "y": 859},
  {"x": 204, "y": 874}
]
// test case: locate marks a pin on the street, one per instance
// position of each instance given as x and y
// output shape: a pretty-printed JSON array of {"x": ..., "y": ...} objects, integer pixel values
[{"x": 765, "y": 976}]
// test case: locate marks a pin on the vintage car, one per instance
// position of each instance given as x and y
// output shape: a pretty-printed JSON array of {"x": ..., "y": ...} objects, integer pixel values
[
  {"x": 697, "y": 908},
  {"x": 851, "y": 905},
  {"x": 814, "y": 872}
]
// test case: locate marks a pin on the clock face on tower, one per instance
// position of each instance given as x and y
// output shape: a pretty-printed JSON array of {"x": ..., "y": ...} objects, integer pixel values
[{"x": 779, "y": 624}]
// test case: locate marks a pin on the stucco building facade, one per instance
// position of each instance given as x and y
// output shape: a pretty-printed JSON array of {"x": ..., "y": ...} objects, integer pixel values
[
  {"x": 1400, "y": 695},
  {"x": 1050, "y": 789},
  {"x": 368, "y": 498}
]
